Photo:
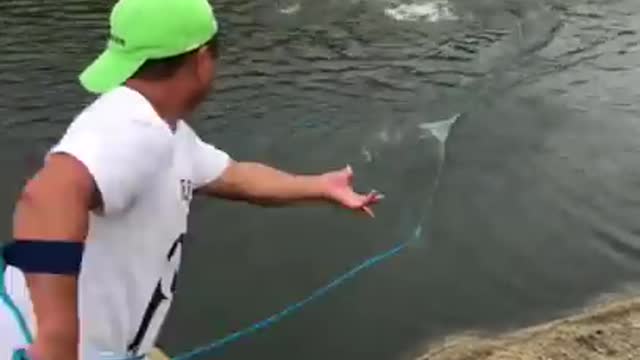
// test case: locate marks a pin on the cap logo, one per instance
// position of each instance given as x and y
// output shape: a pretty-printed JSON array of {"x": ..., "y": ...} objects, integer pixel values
[{"x": 116, "y": 39}]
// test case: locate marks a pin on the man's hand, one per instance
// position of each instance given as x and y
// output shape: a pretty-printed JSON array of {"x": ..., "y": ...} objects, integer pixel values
[
  {"x": 263, "y": 185},
  {"x": 339, "y": 189}
]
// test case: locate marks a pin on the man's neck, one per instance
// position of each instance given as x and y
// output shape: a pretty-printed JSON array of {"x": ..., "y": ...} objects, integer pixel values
[{"x": 164, "y": 102}]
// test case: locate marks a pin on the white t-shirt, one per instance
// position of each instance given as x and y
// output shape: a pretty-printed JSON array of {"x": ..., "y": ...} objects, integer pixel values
[{"x": 146, "y": 174}]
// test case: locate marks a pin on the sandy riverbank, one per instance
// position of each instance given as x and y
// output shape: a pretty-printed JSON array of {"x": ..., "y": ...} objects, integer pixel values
[{"x": 608, "y": 331}]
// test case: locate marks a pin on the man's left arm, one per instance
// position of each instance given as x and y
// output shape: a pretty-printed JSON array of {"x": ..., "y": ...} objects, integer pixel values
[
  {"x": 264, "y": 185},
  {"x": 216, "y": 174}
]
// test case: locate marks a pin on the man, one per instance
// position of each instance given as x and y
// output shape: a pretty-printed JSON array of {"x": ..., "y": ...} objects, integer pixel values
[{"x": 98, "y": 230}]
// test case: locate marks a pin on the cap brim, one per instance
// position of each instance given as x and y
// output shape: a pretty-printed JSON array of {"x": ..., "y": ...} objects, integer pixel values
[{"x": 110, "y": 70}]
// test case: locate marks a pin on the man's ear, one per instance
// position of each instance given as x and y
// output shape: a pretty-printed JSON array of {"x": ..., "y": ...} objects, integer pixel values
[
  {"x": 203, "y": 55},
  {"x": 205, "y": 64}
]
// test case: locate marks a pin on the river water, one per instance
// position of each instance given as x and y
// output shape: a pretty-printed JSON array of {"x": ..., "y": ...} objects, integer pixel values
[{"x": 537, "y": 205}]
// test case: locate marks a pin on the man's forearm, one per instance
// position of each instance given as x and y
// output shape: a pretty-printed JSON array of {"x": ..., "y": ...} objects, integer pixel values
[
  {"x": 265, "y": 185},
  {"x": 54, "y": 299}
]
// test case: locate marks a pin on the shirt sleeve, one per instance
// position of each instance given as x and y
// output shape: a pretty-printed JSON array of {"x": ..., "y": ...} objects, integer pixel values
[
  {"x": 120, "y": 159},
  {"x": 209, "y": 162}
]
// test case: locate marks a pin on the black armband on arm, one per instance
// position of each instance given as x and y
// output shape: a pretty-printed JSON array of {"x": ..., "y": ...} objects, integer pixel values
[{"x": 45, "y": 256}]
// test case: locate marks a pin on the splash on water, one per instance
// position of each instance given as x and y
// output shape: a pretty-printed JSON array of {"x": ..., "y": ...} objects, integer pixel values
[
  {"x": 290, "y": 10},
  {"x": 431, "y": 11}
]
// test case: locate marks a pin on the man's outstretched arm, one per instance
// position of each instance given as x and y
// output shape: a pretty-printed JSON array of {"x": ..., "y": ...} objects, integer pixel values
[
  {"x": 50, "y": 226},
  {"x": 264, "y": 185}
]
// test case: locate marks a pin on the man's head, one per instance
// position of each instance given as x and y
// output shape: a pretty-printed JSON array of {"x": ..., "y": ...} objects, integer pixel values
[{"x": 159, "y": 43}]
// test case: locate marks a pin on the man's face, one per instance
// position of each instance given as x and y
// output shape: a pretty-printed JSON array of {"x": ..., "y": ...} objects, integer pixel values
[{"x": 204, "y": 73}]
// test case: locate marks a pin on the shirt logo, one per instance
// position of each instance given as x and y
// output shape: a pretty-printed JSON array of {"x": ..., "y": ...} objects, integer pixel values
[{"x": 186, "y": 189}]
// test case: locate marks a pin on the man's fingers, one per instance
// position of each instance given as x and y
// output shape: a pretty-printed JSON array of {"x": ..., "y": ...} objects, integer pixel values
[
  {"x": 373, "y": 198},
  {"x": 369, "y": 200},
  {"x": 363, "y": 202}
]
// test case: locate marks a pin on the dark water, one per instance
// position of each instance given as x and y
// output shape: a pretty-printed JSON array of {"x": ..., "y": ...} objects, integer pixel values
[{"x": 537, "y": 208}]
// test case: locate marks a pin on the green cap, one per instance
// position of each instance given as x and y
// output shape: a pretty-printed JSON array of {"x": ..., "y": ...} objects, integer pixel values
[{"x": 148, "y": 29}]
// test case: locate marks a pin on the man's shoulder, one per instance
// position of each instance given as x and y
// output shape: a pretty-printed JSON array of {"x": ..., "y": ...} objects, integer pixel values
[
  {"x": 118, "y": 109},
  {"x": 117, "y": 122},
  {"x": 185, "y": 134},
  {"x": 185, "y": 129}
]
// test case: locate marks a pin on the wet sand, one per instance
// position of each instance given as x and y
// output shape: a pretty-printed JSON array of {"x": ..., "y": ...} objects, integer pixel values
[
  {"x": 609, "y": 330},
  {"x": 157, "y": 354}
]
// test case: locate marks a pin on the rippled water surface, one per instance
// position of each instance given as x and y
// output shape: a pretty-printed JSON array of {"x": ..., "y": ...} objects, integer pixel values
[{"x": 537, "y": 206}]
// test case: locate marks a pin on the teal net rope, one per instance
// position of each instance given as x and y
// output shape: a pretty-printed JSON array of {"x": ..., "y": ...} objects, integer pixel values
[{"x": 289, "y": 310}]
